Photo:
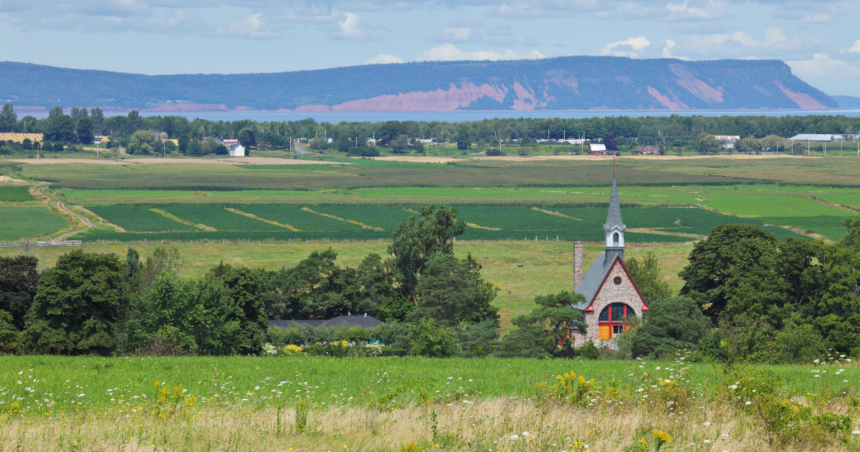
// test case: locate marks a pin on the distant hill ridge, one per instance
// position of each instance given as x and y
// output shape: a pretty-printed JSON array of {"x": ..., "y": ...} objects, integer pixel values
[{"x": 566, "y": 83}]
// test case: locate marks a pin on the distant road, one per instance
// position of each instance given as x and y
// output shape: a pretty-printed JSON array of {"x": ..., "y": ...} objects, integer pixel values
[{"x": 300, "y": 150}]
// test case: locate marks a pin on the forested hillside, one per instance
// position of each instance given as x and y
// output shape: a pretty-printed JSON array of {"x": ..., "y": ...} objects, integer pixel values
[{"x": 567, "y": 83}]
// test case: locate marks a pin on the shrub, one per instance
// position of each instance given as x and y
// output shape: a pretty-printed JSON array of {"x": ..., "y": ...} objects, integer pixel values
[
  {"x": 588, "y": 351},
  {"x": 493, "y": 152},
  {"x": 672, "y": 324},
  {"x": 429, "y": 340}
]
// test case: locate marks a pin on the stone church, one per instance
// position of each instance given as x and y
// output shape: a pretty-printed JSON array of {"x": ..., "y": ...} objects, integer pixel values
[{"x": 611, "y": 296}]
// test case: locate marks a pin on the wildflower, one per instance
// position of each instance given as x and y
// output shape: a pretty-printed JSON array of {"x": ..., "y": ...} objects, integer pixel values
[
  {"x": 513, "y": 437},
  {"x": 707, "y": 441},
  {"x": 748, "y": 403},
  {"x": 661, "y": 436},
  {"x": 855, "y": 432},
  {"x": 707, "y": 424},
  {"x": 733, "y": 387}
]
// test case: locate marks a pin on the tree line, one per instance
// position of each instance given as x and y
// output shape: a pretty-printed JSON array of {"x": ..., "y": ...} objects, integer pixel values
[
  {"x": 674, "y": 130},
  {"x": 746, "y": 296}
]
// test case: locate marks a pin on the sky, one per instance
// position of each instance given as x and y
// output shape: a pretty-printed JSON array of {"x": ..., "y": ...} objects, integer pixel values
[{"x": 818, "y": 39}]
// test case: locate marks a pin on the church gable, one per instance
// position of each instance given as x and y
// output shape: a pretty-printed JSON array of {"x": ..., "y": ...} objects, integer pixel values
[{"x": 617, "y": 287}]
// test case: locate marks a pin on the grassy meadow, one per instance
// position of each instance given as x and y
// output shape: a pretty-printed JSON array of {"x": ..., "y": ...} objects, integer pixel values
[{"x": 398, "y": 404}]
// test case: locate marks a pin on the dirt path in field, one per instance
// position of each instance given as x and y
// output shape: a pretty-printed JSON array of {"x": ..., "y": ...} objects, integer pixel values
[
  {"x": 10, "y": 181},
  {"x": 179, "y": 161}
]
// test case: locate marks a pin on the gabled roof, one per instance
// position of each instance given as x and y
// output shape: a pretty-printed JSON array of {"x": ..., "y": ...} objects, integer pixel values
[
  {"x": 613, "y": 217},
  {"x": 365, "y": 321},
  {"x": 353, "y": 320},
  {"x": 597, "y": 147},
  {"x": 287, "y": 323},
  {"x": 596, "y": 277}
]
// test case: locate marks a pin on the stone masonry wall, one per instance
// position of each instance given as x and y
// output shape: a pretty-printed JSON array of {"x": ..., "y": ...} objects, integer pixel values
[{"x": 609, "y": 293}]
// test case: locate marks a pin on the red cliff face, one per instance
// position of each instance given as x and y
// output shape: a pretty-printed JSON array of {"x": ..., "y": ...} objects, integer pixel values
[{"x": 439, "y": 100}]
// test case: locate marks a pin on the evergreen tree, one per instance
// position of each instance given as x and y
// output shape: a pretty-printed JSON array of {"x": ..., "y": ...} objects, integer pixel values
[
  {"x": 542, "y": 331},
  {"x": 671, "y": 324}
]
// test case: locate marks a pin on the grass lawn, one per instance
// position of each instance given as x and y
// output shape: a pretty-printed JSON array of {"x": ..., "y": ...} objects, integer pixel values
[{"x": 18, "y": 222}]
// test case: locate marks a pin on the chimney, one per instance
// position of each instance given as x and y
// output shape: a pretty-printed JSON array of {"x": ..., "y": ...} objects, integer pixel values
[{"x": 577, "y": 264}]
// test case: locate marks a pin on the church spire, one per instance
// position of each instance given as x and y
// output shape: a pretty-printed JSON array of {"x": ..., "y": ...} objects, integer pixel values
[{"x": 613, "y": 218}]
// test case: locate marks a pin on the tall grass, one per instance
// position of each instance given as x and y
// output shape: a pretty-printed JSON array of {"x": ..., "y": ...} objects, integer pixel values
[{"x": 387, "y": 404}]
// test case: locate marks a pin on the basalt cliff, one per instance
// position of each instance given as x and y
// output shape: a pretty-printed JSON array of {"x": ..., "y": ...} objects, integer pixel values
[{"x": 566, "y": 83}]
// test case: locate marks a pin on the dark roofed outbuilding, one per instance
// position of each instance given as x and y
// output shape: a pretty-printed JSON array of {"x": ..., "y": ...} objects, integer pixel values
[{"x": 364, "y": 321}]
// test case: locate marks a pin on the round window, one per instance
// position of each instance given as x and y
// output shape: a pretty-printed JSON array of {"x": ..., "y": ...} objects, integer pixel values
[{"x": 617, "y": 280}]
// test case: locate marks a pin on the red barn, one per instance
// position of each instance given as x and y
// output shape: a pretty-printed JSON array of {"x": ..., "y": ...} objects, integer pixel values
[
  {"x": 600, "y": 149},
  {"x": 648, "y": 149}
]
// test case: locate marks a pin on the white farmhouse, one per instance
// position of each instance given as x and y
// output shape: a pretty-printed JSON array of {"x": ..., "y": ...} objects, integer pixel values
[{"x": 236, "y": 149}]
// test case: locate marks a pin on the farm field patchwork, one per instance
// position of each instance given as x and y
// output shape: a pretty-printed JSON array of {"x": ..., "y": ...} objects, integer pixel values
[
  {"x": 19, "y": 222},
  {"x": 830, "y": 227},
  {"x": 15, "y": 194},
  {"x": 372, "y": 222}
]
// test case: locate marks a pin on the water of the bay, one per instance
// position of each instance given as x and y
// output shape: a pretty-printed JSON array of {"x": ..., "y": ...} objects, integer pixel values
[{"x": 460, "y": 116}]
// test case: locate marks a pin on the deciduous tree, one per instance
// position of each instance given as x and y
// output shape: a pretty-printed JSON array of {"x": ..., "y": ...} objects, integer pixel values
[
  {"x": 417, "y": 240},
  {"x": 77, "y": 307}
]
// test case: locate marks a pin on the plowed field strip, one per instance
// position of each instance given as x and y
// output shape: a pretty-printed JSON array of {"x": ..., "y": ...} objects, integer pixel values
[
  {"x": 180, "y": 220},
  {"x": 363, "y": 226},
  {"x": 254, "y": 217},
  {"x": 557, "y": 214}
]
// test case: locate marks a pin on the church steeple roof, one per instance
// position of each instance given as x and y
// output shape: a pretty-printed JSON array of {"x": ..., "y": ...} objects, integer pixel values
[{"x": 613, "y": 217}]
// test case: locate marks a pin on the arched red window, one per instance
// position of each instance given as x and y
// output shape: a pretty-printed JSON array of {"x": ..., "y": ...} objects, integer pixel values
[{"x": 613, "y": 320}]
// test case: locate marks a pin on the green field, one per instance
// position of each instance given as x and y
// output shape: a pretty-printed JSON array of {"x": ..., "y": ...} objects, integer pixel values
[
  {"x": 15, "y": 194},
  {"x": 84, "y": 382},
  {"x": 364, "y": 173},
  {"x": 658, "y": 224},
  {"x": 19, "y": 222}
]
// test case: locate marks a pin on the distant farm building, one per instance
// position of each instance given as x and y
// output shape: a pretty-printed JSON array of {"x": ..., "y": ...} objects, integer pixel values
[
  {"x": 727, "y": 141},
  {"x": 364, "y": 321},
  {"x": 819, "y": 137},
  {"x": 648, "y": 149},
  {"x": 600, "y": 149},
  {"x": 236, "y": 149}
]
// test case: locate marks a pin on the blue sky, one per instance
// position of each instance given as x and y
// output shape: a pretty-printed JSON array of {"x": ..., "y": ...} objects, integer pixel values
[{"x": 819, "y": 39}]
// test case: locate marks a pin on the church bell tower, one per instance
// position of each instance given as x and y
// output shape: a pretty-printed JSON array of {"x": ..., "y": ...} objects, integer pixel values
[{"x": 614, "y": 227}]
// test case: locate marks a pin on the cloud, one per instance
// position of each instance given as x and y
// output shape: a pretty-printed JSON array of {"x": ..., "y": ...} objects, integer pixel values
[
  {"x": 808, "y": 12},
  {"x": 457, "y": 34},
  {"x": 247, "y": 27},
  {"x": 667, "y": 49},
  {"x": 448, "y": 52},
  {"x": 695, "y": 11},
  {"x": 740, "y": 44},
  {"x": 856, "y": 47},
  {"x": 634, "y": 46},
  {"x": 383, "y": 59},
  {"x": 822, "y": 66},
  {"x": 349, "y": 28}
]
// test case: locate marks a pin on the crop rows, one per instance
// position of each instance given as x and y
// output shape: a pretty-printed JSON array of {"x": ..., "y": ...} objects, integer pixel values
[
  {"x": 830, "y": 227},
  {"x": 15, "y": 194},
  {"x": 379, "y": 222},
  {"x": 19, "y": 222}
]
